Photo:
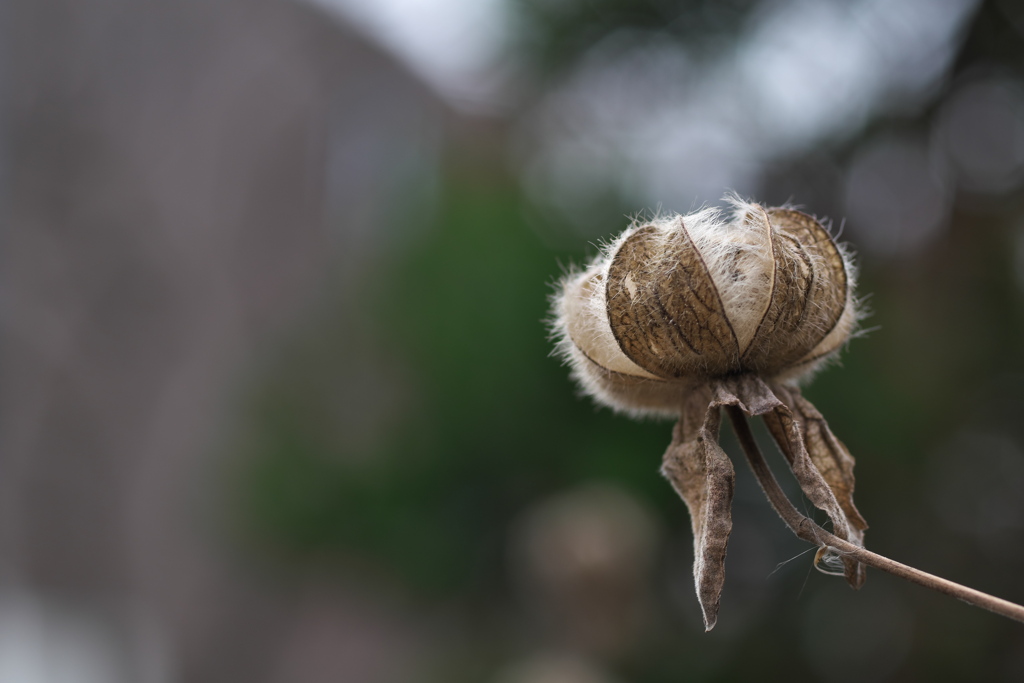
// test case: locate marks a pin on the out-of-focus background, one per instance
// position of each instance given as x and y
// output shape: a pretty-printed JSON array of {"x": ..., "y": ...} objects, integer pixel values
[{"x": 276, "y": 403}]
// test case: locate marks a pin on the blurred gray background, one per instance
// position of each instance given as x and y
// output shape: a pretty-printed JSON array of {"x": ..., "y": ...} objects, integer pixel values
[{"x": 275, "y": 396}]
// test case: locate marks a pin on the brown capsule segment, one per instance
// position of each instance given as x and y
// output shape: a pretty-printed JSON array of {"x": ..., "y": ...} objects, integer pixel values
[
  {"x": 589, "y": 336},
  {"x": 808, "y": 295},
  {"x": 663, "y": 307}
]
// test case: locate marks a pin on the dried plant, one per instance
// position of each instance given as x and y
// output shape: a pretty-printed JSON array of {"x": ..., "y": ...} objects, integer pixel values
[{"x": 686, "y": 315}]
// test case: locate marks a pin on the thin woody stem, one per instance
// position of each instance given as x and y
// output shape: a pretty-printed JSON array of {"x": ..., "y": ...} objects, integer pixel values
[{"x": 807, "y": 530}]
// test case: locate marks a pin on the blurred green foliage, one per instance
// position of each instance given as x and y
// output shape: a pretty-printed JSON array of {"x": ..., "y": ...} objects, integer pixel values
[
  {"x": 492, "y": 421},
  {"x": 408, "y": 428}
]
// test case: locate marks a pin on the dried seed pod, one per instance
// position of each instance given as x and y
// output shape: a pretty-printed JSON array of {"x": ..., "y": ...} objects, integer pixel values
[
  {"x": 693, "y": 315},
  {"x": 678, "y": 301}
]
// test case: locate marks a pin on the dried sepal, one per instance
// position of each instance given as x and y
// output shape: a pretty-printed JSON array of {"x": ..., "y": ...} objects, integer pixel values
[
  {"x": 822, "y": 466},
  {"x": 829, "y": 454},
  {"x": 703, "y": 476}
]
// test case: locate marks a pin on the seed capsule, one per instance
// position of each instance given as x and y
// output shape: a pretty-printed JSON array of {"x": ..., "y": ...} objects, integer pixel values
[{"x": 678, "y": 301}]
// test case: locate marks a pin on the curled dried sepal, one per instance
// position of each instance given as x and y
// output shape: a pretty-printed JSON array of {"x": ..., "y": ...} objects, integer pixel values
[
  {"x": 830, "y": 562},
  {"x": 678, "y": 301},
  {"x": 703, "y": 476},
  {"x": 824, "y": 475},
  {"x": 828, "y": 453}
]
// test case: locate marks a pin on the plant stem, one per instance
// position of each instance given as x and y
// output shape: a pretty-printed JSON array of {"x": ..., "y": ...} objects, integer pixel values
[{"x": 807, "y": 530}]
